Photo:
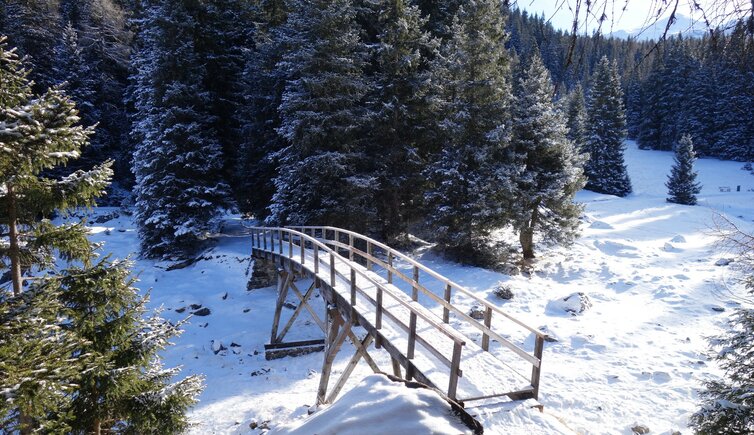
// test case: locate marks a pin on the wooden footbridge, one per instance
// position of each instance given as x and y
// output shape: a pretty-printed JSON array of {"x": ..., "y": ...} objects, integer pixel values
[{"x": 405, "y": 308}]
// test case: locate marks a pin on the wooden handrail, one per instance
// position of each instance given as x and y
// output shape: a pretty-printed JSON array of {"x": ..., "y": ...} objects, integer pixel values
[
  {"x": 485, "y": 327},
  {"x": 450, "y": 333},
  {"x": 427, "y": 270}
]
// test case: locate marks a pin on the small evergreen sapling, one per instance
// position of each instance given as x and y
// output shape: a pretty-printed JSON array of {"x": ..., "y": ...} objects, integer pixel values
[{"x": 681, "y": 184}]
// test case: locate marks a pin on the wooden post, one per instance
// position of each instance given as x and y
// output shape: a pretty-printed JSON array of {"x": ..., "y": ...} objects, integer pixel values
[
  {"x": 290, "y": 245},
  {"x": 411, "y": 345},
  {"x": 454, "y": 368},
  {"x": 396, "y": 367},
  {"x": 389, "y": 267},
  {"x": 378, "y": 311},
  {"x": 539, "y": 344},
  {"x": 487, "y": 323},
  {"x": 336, "y": 238},
  {"x": 283, "y": 280},
  {"x": 445, "y": 310},
  {"x": 316, "y": 258},
  {"x": 369, "y": 257},
  {"x": 280, "y": 242},
  {"x": 329, "y": 348},
  {"x": 264, "y": 238},
  {"x": 303, "y": 253},
  {"x": 353, "y": 294},
  {"x": 415, "y": 286},
  {"x": 360, "y": 352},
  {"x": 350, "y": 245},
  {"x": 332, "y": 270}
]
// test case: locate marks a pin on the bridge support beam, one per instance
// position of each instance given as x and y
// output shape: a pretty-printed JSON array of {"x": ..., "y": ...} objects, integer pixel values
[
  {"x": 340, "y": 329},
  {"x": 277, "y": 347}
]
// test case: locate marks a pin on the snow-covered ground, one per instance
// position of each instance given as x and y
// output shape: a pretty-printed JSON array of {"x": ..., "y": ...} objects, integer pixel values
[{"x": 636, "y": 356}]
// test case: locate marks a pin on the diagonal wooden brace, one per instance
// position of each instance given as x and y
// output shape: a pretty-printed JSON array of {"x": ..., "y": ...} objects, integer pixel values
[{"x": 304, "y": 303}]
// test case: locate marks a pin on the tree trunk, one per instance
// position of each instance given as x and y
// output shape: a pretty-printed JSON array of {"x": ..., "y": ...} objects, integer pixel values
[
  {"x": 527, "y": 233},
  {"x": 96, "y": 427},
  {"x": 26, "y": 423},
  {"x": 15, "y": 251}
]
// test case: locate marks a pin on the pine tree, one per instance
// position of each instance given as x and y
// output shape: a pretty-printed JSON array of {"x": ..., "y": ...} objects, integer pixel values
[
  {"x": 606, "y": 130},
  {"x": 257, "y": 163},
  {"x": 178, "y": 160},
  {"x": 681, "y": 184},
  {"x": 37, "y": 356},
  {"x": 550, "y": 169},
  {"x": 576, "y": 117},
  {"x": 126, "y": 389},
  {"x": 324, "y": 173},
  {"x": 39, "y": 133},
  {"x": 401, "y": 136},
  {"x": 440, "y": 14},
  {"x": 466, "y": 200}
]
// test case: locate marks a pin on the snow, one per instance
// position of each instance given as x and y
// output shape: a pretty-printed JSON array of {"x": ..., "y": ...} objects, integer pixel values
[
  {"x": 636, "y": 356},
  {"x": 379, "y": 402}
]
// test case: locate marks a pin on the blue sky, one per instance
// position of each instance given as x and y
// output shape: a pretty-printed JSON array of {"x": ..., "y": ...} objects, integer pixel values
[{"x": 636, "y": 15}]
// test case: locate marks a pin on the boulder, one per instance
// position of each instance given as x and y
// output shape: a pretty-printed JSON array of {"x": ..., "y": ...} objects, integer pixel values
[
  {"x": 723, "y": 261},
  {"x": 575, "y": 303},
  {"x": 202, "y": 312},
  {"x": 476, "y": 313},
  {"x": 640, "y": 429},
  {"x": 503, "y": 291}
]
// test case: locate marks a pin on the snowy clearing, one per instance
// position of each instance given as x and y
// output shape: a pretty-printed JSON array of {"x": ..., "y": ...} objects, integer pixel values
[{"x": 635, "y": 356}]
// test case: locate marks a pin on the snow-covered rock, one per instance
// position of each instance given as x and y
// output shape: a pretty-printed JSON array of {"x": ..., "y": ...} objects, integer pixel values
[{"x": 575, "y": 303}]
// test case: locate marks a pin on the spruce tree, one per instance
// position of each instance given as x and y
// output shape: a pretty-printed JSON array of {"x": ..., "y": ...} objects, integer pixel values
[
  {"x": 681, "y": 184},
  {"x": 606, "y": 130},
  {"x": 576, "y": 117},
  {"x": 126, "y": 389},
  {"x": 38, "y": 134},
  {"x": 401, "y": 135},
  {"x": 264, "y": 83},
  {"x": 466, "y": 199},
  {"x": 178, "y": 159},
  {"x": 38, "y": 358},
  {"x": 324, "y": 175},
  {"x": 550, "y": 169}
]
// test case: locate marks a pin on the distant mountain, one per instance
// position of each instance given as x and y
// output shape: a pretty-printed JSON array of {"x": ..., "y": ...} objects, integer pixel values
[{"x": 684, "y": 25}]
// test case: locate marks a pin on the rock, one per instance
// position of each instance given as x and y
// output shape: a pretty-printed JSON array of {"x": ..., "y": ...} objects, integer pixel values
[
  {"x": 121, "y": 230},
  {"x": 180, "y": 310},
  {"x": 234, "y": 344},
  {"x": 204, "y": 325},
  {"x": 668, "y": 247},
  {"x": 264, "y": 274},
  {"x": 260, "y": 372},
  {"x": 106, "y": 217},
  {"x": 575, "y": 303},
  {"x": 476, "y": 313},
  {"x": 676, "y": 432},
  {"x": 225, "y": 296},
  {"x": 678, "y": 239},
  {"x": 503, "y": 291},
  {"x": 246, "y": 310},
  {"x": 508, "y": 269},
  {"x": 108, "y": 232},
  {"x": 717, "y": 308},
  {"x": 289, "y": 305},
  {"x": 202, "y": 312},
  {"x": 261, "y": 426},
  {"x": 640, "y": 429},
  {"x": 723, "y": 261},
  {"x": 217, "y": 346},
  {"x": 195, "y": 306}
]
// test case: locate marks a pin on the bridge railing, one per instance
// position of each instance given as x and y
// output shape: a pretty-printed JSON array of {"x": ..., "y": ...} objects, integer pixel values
[
  {"x": 362, "y": 247},
  {"x": 290, "y": 243}
]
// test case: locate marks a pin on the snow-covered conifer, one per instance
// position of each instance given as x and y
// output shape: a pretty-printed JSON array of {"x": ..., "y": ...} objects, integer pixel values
[
  {"x": 324, "y": 175},
  {"x": 178, "y": 160},
  {"x": 576, "y": 118},
  {"x": 401, "y": 135},
  {"x": 682, "y": 185},
  {"x": 549, "y": 169},
  {"x": 466, "y": 199},
  {"x": 606, "y": 130}
]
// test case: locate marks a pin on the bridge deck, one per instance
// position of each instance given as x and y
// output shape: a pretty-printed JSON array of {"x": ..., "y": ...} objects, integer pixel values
[{"x": 483, "y": 374}]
